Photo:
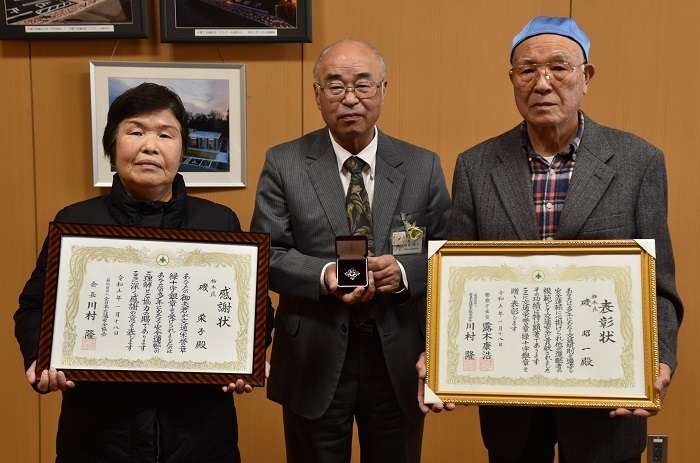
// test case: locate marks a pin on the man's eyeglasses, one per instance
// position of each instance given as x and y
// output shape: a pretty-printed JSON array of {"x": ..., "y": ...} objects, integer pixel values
[
  {"x": 526, "y": 73},
  {"x": 336, "y": 91}
]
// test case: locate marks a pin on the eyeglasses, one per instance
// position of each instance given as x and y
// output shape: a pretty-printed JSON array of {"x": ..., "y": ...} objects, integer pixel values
[
  {"x": 526, "y": 73},
  {"x": 336, "y": 91}
]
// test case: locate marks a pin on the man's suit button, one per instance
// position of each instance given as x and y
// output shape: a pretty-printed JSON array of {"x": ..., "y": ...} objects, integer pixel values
[{"x": 344, "y": 328}]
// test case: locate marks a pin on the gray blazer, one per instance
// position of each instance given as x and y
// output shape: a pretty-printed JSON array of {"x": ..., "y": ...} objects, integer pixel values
[
  {"x": 617, "y": 191},
  {"x": 301, "y": 203}
]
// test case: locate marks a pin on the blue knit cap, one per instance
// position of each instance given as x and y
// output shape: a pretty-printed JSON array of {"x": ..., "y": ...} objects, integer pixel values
[{"x": 566, "y": 27}]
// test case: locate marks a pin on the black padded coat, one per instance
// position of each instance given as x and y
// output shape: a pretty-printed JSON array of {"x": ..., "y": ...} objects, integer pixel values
[{"x": 134, "y": 422}]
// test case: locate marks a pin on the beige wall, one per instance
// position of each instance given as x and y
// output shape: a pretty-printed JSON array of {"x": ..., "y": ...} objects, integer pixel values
[{"x": 448, "y": 89}]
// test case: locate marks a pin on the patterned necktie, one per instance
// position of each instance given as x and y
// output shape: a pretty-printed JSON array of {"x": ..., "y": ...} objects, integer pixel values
[{"x": 357, "y": 205}]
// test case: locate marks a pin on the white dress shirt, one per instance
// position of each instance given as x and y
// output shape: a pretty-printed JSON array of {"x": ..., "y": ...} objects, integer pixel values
[{"x": 369, "y": 156}]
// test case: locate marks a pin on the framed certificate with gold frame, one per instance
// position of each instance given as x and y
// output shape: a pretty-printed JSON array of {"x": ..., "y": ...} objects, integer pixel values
[
  {"x": 155, "y": 304},
  {"x": 543, "y": 323}
]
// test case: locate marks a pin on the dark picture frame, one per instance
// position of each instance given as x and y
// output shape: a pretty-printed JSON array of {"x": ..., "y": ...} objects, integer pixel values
[
  {"x": 74, "y": 19},
  {"x": 235, "y": 20},
  {"x": 80, "y": 278}
]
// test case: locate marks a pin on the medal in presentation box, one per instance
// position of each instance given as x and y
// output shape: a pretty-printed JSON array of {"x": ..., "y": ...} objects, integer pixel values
[{"x": 351, "y": 262}]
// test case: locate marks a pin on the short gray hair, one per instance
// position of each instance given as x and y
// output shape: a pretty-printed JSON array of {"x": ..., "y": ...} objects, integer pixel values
[{"x": 367, "y": 45}]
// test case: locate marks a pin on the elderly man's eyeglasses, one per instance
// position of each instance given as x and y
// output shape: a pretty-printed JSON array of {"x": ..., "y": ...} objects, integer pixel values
[
  {"x": 336, "y": 91},
  {"x": 526, "y": 73}
]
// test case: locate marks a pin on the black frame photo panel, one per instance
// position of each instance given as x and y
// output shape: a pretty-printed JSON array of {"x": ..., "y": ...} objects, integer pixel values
[
  {"x": 235, "y": 20},
  {"x": 74, "y": 19}
]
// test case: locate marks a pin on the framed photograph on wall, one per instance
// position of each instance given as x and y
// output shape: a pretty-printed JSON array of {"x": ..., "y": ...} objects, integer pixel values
[
  {"x": 235, "y": 20},
  {"x": 214, "y": 97},
  {"x": 543, "y": 323},
  {"x": 74, "y": 19}
]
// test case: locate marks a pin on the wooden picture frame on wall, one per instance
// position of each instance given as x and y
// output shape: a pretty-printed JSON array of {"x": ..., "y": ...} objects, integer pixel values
[
  {"x": 214, "y": 97},
  {"x": 235, "y": 20},
  {"x": 74, "y": 19}
]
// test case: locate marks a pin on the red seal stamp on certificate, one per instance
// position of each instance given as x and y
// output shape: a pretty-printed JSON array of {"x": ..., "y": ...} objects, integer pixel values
[
  {"x": 89, "y": 344},
  {"x": 469, "y": 364},
  {"x": 486, "y": 364}
]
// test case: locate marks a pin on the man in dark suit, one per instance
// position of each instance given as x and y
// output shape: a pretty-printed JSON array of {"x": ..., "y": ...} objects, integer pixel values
[
  {"x": 340, "y": 354},
  {"x": 559, "y": 175}
]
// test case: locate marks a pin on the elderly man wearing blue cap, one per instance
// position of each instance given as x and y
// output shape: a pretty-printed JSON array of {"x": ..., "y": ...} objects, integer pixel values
[{"x": 559, "y": 175}]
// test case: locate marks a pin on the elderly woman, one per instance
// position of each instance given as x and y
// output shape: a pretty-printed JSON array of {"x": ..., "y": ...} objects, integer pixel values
[{"x": 145, "y": 139}]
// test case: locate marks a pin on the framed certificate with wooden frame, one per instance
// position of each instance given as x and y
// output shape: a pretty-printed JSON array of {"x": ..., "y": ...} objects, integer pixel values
[
  {"x": 155, "y": 305},
  {"x": 543, "y": 323}
]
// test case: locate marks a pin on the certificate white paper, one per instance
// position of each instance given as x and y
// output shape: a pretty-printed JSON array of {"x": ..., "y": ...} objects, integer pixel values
[
  {"x": 153, "y": 305},
  {"x": 558, "y": 324}
]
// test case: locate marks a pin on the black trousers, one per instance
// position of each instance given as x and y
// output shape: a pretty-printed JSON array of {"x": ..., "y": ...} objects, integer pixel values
[
  {"x": 539, "y": 446},
  {"x": 365, "y": 394}
]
